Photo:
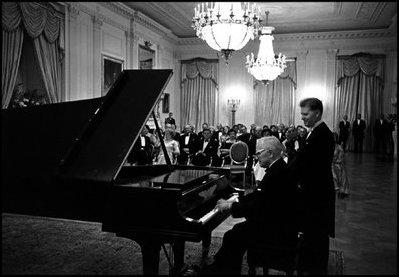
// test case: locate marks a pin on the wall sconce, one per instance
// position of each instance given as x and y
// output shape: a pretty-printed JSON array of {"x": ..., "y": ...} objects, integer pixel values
[
  {"x": 148, "y": 43},
  {"x": 233, "y": 104}
]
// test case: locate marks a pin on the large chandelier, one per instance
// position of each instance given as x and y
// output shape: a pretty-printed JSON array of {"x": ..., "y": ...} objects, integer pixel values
[
  {"x": 266, "y": 66},
  {"x": 227, "y": 27}
]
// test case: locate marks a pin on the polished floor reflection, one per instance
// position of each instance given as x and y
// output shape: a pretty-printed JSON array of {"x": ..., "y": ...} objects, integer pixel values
[{"x": 366, "y": 221}]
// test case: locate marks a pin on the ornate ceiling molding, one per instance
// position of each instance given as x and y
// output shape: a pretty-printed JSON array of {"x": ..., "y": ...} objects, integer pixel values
[
  {"x": 138, "y": 17},
  {"x": 312, "y": 36}
]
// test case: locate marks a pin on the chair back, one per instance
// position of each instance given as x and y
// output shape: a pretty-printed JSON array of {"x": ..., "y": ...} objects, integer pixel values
[{"x": 239, "y": 152}]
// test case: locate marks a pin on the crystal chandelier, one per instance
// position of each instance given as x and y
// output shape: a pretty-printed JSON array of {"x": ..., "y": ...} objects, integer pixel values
[
  {"x": 267, "y": 66},
  {"x": 226, "y": 27}
]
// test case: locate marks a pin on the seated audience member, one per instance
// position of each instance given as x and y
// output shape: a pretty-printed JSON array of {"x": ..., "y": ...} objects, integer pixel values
[
  {"x": 244, "y": 137},
  {"x": 207, "y": 150},
  {"x": 204, "y": 126},
  {"x": 266, "y": 132},
  {"x": 269, "y": 213},
  {"x": 218, "y": 131},
  {"x": 281, "y": 132},
  {"x": 226, "y": 145},
  {"x": 188, "y": 144},
  {"x": 225, "y": 134},
  {"x": 265, "y": 127},
  {"x": 172, "y": 147},
  {"x": 141, "y": 153},
  {"x": 273, "y": 128},
  {"x": 172, "y": 127},
  {"x": 341, "y": 182},
  {"x": 253, "y": 139},
  {"x": 291, "y": 143},
  {"x": 302, "y": 134}
]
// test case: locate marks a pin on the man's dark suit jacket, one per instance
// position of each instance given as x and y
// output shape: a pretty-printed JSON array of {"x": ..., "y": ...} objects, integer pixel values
[
  {"x": 271, "y": 210},
  {"x": 192, "y": 146},
  {"x": 210, "y": 151},
  {"x": 312, "y": 168},
  {"x": 344, "y": 128},
  {"x": 277, "y": 135},
  {"x": 245, "y": 138},
  {"x": 358, "y": 129},
  {"x": 139, "y": 154},
  {"x": 381, "y": 131},
  {"x": 170, "y": 120}
]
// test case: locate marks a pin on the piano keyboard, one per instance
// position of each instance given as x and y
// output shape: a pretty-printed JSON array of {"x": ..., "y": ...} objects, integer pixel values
[{"x": 213, "y": 212}]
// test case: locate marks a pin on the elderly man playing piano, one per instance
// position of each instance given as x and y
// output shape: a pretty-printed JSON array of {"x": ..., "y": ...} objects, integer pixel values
[{"x": 269, "y": 212}]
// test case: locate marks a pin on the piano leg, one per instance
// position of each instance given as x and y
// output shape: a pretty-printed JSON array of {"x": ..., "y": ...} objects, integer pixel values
[
  {"x": 150, "y": 253},
  {"x": 178, "y": 256}
]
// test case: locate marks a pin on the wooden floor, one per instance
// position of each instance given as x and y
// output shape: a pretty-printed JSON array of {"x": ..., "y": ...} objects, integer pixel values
[{"x": 366, "y": 221}]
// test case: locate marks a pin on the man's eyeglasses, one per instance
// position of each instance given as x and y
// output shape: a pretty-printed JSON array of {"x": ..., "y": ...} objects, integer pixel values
[{"x": 259, "y": 152}]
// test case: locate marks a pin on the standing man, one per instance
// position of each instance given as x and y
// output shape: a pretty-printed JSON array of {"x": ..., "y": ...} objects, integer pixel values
[
  {"x": 358, "y": 127},
  {"x": 312, "y": 168},
  {"x": 170, "y": 119},
  {"x": 344, "y": 130},
  {"x": 381, "y": 131}
]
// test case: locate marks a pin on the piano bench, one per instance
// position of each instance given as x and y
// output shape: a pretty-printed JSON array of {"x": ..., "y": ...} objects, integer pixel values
[{"x": 281, "y": 258}]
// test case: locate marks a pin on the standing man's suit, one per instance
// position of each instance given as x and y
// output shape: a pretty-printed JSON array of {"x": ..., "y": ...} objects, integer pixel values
[
  {"x": 358, "y": 134},
  {"x": 344, "y": 128},
  {"x": 312, "y": 167}
]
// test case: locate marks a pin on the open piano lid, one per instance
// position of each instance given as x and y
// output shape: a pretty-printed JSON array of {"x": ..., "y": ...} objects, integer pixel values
[{"x": 100, "y": 151}]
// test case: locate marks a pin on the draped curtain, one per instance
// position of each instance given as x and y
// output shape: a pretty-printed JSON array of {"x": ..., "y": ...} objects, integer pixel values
[
  {"x": 275, "y": 102},
  {"x": 199, "y": 88},
  {"x": 359, "y": 89},
  {"x": 43, "y": 25}
]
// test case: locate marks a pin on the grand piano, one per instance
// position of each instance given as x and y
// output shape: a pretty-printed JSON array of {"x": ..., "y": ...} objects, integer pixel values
[{"x": 68, "y": 160}]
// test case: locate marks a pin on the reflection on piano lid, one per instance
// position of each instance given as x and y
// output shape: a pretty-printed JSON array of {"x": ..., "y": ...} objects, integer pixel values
[{"x": 180, "y": 178}]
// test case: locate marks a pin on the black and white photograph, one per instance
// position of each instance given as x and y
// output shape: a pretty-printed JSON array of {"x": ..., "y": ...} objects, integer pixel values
[{"x": 199, "y": 138}]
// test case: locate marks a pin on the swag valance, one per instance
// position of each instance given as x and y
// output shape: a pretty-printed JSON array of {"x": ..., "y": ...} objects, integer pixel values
[
  {"x": 370, "y": 65},
  {"x": 35, "y": 17},
  {"x": 207, "y": 69},
  {"x": 288, "y": 73}
]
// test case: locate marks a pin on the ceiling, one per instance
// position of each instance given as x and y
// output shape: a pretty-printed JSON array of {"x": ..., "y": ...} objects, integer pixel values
[{"x": 286, "y": 17}]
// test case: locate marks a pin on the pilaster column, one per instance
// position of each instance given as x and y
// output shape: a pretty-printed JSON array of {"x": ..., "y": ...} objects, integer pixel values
[
  {"x": 301, "y": 82},
  {"x": 97, "y": 71},
  {"x": 331, "y": 113},
  {"x": 71, "y": 55}
]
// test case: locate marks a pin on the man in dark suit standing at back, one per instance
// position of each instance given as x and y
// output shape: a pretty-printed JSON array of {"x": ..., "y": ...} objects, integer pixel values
[
  {"x": 344, "y": 130},
  {"x": 381, "y": 130},
  {"x": 358, "y": 127},
  {"x": 312, "y": 168},
  {"x": 170, "y": 119}
]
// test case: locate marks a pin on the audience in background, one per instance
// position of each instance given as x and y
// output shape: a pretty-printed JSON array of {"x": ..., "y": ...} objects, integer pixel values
[
  {"x": 207, "y": 150},
  {"x": 281, "y": 132},
  {"x": 170, "y": 119},
  {"x": 204, "y": 126},
  {"x": 225, "y": 134},
  {"x": 291, "y": 144},
  {"x": 141, "y": 153},
  {"x": 172, "y": 148},
  {"x": 225, "y": 147},
  {"x": 188, "y": 143},
  {"x": 245, "y": 136}
]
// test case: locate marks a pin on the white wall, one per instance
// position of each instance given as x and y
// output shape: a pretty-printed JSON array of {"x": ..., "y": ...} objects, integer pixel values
[{"x": 96, "y": 29}]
